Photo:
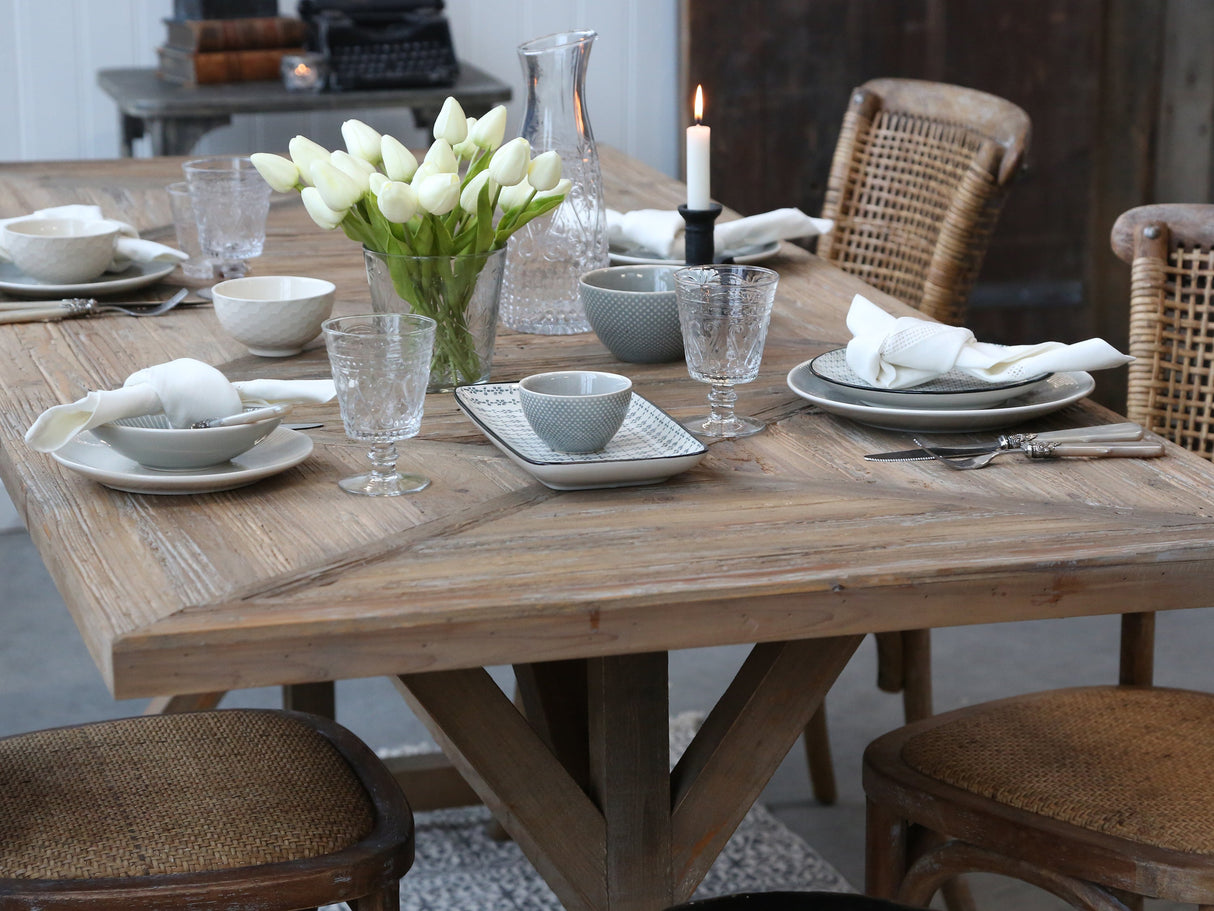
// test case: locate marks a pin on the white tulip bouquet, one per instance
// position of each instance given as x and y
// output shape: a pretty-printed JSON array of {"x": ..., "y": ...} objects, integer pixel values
[{"x": 382, "y": 197}]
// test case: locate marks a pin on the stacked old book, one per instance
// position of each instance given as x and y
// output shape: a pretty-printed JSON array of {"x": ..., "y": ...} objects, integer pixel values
[{"x": 207, "y": 51}]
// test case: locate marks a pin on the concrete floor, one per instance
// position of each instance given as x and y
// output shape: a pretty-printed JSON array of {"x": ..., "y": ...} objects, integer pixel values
[{"x": 47, "y": 678}]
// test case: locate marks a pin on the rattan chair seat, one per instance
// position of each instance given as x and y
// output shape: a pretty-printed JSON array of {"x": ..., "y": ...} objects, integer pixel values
[
  {"x": 174, "y": 794},
  {"x": 1105, "y": 759}
]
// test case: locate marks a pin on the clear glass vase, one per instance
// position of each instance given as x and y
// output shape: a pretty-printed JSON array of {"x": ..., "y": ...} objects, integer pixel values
[
  {"x": 548, "y": 255},
  {"x": 460, "y": 293}
]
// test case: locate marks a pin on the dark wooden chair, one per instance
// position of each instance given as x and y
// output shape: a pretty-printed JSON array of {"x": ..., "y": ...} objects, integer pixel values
[
  {"x": 790, "y": 901},
  {"x": 1101, "y": 795},
  {"x": 919, "y": 176},
  {"x": 240, "y": 808}
]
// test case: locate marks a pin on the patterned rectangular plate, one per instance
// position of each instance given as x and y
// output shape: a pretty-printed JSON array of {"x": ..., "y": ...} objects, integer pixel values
[{"x": 650, "y": 447}]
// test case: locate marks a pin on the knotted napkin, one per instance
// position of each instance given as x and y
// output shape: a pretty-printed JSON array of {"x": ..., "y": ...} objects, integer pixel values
[
  {"x": 128, "y": 246},
  {"x": 898, "y": 352},
  {"x": 660, "y": 231},
  {"x": 185, "y": 390}
]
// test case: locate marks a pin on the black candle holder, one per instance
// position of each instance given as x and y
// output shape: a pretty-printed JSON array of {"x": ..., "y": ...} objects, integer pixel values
[{"x": 698, "y": 245}]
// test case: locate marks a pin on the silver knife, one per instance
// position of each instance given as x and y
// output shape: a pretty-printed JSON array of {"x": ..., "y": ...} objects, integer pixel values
[{"x": 1099, "y": 434}]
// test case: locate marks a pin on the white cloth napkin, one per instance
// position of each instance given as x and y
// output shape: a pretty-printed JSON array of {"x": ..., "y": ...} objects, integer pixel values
[
  {"x": 898, "y": 352},
  {"x": 186, "y": 391},
  {"x": 660, "y": 231},
  {"x": 128, "y": 246}
]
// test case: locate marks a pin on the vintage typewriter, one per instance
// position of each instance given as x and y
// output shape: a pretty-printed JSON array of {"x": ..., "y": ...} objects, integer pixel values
[{"x": 382, "y": 44}]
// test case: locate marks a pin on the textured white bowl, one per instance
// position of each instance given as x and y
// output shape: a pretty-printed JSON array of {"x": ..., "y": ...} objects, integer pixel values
[
  {"x": 60, "y": 251},
  {"x": 274, "y": 315},
  {"x": 150, "y": 441}
]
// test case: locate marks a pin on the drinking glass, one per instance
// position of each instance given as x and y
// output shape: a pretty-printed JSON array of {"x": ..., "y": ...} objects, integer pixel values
[
  {"x": 381, "y": 366},
  {"x": 198, "y": 266},
  {"x": 231, "y": 202},
  {"x": 724, "y": 311}
]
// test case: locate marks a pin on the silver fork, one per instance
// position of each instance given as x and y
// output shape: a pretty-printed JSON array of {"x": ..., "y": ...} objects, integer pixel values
[
  {"x": 30, "y": 311},
  {"x": 1036, "y": 449}
]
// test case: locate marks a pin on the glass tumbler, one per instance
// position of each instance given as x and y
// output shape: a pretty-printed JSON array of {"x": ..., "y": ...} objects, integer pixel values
[
  {"x": 381, "y": 366},
  {"x": 198, "y": 267},
  {"x": 724, "y": 312},
  {"x": 231, "y": 202}
]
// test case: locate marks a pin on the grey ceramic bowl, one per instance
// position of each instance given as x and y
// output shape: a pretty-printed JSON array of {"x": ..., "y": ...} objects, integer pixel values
[
  {"x": 150, "y": 441},
  {"x": 575, "y": 410},
  {"x": 633, "y": 311}
]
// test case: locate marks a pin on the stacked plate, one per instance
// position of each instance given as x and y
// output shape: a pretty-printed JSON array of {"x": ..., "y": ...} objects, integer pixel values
[{"x": 955, "y": 401}]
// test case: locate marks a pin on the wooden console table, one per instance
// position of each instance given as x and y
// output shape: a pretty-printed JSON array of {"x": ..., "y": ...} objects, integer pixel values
[{"x": 176, "y": 116}]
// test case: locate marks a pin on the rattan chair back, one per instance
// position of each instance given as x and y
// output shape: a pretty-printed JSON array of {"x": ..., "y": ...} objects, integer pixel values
[
  {"x": 1170, "y": 249},
  {"x": 918, "y": 179}
]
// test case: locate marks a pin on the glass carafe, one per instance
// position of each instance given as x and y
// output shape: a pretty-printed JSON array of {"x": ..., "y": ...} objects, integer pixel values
[{"x": 547, "y": 256}]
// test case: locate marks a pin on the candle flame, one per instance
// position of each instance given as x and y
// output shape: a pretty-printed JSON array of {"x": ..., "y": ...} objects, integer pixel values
[
  {"x": 302, "y": 69},
  {"x": 699, "y": 104}
]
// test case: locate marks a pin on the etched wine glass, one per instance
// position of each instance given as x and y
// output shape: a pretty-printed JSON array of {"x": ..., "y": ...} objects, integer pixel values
[
  {"x": 231, "y": 201},
  {"x": 724, "y": 312},
  {"x": 381, "y": 367}
]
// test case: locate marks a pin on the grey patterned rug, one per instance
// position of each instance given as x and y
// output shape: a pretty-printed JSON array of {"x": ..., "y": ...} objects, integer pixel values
[{"x": 459, "y": 867}]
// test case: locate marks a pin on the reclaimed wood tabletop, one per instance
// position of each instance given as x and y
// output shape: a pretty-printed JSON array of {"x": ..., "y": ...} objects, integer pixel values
[{"x": 787, "y": 540}]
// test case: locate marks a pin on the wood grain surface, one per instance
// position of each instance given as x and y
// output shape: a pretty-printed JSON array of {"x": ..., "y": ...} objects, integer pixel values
[{"x": 785, "y": 535}]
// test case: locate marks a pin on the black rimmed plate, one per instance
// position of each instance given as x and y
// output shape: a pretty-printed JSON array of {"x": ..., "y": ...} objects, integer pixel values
[{"x": 954, "y": 390}]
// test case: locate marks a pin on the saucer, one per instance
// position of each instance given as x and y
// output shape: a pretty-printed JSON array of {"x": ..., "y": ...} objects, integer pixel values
[
  {"x": 952, "y": 390},
  {"x": 87, "y": 455},
  {"x": 650, "y": 446},
  {"x": 1050, "y": 395},
  {"x": 139, "y": 275},
  {"x": 635, "y": 256}
]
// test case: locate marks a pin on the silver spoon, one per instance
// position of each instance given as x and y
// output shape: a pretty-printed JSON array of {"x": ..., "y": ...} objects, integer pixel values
[{"x": 29, "y": 311}]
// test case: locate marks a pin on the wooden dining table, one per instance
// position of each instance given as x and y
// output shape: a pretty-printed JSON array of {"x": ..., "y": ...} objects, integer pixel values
[{"x": 787, "y": 540}]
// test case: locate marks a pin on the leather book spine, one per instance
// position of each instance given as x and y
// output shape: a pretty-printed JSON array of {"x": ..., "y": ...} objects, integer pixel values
[
  {"x": 205, "y": 35},
  {"x": 187, "y": 68}
]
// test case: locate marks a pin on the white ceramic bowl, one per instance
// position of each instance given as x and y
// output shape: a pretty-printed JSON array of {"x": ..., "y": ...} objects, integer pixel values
[
  {"x": 150, "y": 441},
  {"x": 575, "y": 410},
  {"x": 274, "y": 315},
  {"x": 60, "y": 251},
  {"x": 633, "y": 311}
]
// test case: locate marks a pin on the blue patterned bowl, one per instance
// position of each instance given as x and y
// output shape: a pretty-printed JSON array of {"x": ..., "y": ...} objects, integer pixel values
[
  {"x": 575, "y": 410},
  {"x": 633, "y": 311}
]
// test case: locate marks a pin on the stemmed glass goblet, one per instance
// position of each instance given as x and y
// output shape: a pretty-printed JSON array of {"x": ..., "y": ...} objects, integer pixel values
[
  {"x": 381, "y": 366},
  {"x": 724, "y": 312},
  {"x": 231, "y": 201}
]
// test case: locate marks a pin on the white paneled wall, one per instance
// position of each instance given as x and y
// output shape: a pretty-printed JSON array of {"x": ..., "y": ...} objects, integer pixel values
[{"x": 51, "y": 49}]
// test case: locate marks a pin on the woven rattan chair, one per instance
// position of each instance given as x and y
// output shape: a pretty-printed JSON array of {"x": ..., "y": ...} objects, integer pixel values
[
  {"x": 1101, "y": 795},
  {"x": 239, "y": 808},
  {"x": 919, "y": 176}
]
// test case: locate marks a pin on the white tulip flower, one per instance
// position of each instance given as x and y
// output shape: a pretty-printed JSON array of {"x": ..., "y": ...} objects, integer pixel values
[
  {"x": 561, "y": 189},
  {"x": 451, "y": 123},
  {"x": 515, "y": 197},
  {"x": 424, "y": 170},
  {"x": 441, "y": 157},
  {"x": 303, "y": 152},
  {"x": 398, "y": 201},
  {"x": 338, "y": 190},
  {"x": 376, "y": 182},
  {"x": 280, "y": 173},
  {"x": 472, "y": 192},
  {"x": 399, "y": 163},
  {"x": 467, "y": 149},
  {"x": 544, "y": 171},
  {"x": 490, "y": 129},
  {"x": 357, "y": 169},
  {"x": 509, "y": 163},
  {"x": 362, "y": 141},
  {"x": 321, "y": 214},
  {"x": 438, "y": 194}
]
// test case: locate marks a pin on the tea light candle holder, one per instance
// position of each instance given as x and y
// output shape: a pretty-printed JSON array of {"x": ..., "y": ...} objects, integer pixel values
[
  {"x": 303, "y": 72},
  {"x": 698, "y": 239}
]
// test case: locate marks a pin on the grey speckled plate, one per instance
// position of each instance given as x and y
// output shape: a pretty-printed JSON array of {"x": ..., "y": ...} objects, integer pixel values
[{"x": 650, "y": 447}]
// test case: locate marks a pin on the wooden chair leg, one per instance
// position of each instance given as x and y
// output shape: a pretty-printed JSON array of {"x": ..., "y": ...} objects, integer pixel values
[
  {"x": 917, "y": 673},
  {"x": 386, "y": 899},
  {"x": 314, "y": 698},
  {"x": 1137, "y": 649},
  {"x": 886, "y": 845},
  {"x": 818, "y": 758},
  {"x": 890, "y": 673}
]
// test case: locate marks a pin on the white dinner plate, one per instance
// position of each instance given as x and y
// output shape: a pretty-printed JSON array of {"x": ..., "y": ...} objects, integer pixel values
[
  {"x": 651, "y": 446},
  {"x": 952, "y": 390},
  {"x": 1051, "y": 394},
  {"x": 94, "y": 459},
  {"x": 635, "y": 256},
  {"x": 139, "y": 275}
]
